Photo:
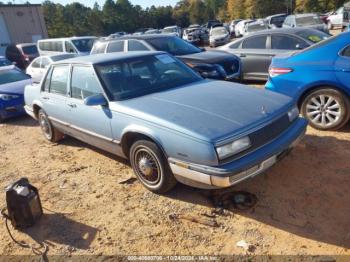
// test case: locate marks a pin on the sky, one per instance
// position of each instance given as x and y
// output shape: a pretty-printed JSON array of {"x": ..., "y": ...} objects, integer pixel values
[{"x": 143, "y": 3}]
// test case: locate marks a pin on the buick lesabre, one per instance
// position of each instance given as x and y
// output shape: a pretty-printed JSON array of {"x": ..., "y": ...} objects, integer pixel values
[{"x": 171, "y": 124}]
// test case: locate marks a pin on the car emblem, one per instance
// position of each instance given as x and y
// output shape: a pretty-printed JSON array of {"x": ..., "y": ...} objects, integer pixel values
[{"x": 263, "y": 110}]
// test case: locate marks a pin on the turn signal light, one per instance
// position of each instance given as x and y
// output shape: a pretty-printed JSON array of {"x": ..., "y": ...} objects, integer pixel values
[{"x": 273, "y": 71}]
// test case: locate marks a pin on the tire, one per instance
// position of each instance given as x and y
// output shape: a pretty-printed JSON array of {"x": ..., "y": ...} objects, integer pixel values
[
  {"x": 326, "y": 109},
  {"x": 143, "y": 156},
  {"x": 49, "y": 131}
]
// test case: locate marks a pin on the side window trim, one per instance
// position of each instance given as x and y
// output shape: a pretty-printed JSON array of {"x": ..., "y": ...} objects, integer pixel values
[{"x": 47, "y": 78}]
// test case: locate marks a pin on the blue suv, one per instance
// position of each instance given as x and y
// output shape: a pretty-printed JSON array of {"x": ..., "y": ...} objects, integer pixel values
[{"x": 319, "y": 78}]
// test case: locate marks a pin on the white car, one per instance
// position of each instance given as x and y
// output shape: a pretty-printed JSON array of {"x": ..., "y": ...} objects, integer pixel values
[
  {"x": 335, "y": 19},
  {"x": 39, "y": 65},
  {"x": 172, "y": 30},
  {"x": 240, "y": 27}
]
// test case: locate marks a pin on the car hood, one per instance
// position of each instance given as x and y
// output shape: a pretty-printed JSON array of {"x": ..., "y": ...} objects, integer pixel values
[
  {"x": 208, "y": 57},
  {"x": 218, "y": 37},
  {"x": 15, "y": 87},
  {"x": 207, "y": 110}
]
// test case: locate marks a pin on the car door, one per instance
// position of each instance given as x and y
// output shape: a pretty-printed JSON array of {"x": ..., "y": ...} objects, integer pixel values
[
  {"x": 91, "y": 124},
  {"x": 342, "y": 67},
  {"x": 255, "y": 57},
  {"x": 54, "y": 96}
]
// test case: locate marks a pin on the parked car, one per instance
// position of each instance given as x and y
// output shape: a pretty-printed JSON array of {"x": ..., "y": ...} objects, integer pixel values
[
  {"x": 210, "y": 64},
  {"x": 319, "y": 79},
  {"x": 312, "y": 21},
  {"x": 192, "y": 35},
  {"x": 275, "y": 21},
  {"x": 21, "y": 54},
  {"x": 75, "y": 45},
  {"x": 240, "y": 27},
  {"x": 172, "y": 30},
  {"x": 233, "y": 26},
  {"x": 212, "y": 23},
  {"x": 5, "y": 62},
  {"x": 218, "y": 36},
  {"x": 12, "y": 83},
  {"x": 117, "y": 34},
  {"x": 168, "y": 121},
  {"x": 141, "y": 31},
  {"x": 254, "y": 27},
  {"x": 335, "y": 19},
  {"x": 256, "y": 51},
  {"x": 38, "y": 67}
]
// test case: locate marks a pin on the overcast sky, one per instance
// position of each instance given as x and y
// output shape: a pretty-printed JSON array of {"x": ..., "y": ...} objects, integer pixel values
[{"x": 143, "y": 3}]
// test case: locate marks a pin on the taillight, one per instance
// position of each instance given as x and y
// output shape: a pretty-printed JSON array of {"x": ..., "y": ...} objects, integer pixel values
[{"x": 273, "y": 71}]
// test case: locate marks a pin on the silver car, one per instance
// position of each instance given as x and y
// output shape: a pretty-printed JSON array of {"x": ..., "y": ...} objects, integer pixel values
[{"x": 218, "y": 36}]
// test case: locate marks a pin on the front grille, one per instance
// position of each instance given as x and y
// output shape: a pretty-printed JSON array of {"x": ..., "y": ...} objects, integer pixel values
[
  {"x": 263, "y": 136},
  {"x": 231, "y": 67}
]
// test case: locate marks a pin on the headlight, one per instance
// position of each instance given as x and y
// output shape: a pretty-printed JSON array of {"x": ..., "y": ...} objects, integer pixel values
[
  {"x": 8, "y": 97},
  {"x": 233, "y": 148},
  {"x": 212, "y": 73},
  {"x": 293, "y": 114}
]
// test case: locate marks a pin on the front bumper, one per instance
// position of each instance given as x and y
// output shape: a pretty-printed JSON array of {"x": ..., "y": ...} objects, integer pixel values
[
  {"x": 11, "y": 110},
  {"x": 239, "y": 170}
]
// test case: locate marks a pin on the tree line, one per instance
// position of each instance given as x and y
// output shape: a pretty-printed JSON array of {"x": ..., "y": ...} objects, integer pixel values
[{"x": 120, "y": 15}]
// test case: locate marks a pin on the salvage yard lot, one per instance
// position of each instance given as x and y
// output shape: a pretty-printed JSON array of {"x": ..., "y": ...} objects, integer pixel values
[{"x": 303, "y": 201}]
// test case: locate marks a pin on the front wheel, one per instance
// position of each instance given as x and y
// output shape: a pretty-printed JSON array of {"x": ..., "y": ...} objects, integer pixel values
[
  {"x": 48, "y": 130},
  {"x": 151, "y": 167},
  {"x": 326, "y": 109}
]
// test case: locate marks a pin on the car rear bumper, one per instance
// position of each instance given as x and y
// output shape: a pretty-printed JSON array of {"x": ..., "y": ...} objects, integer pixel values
[{"x": 239, "y": 170}]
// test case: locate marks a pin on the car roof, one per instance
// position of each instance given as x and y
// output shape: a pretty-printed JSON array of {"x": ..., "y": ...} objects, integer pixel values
[
  {"x": 105, "y": 58},
  {"x": 284, "y": 30},
  {"x": 67, "y": 38},
  {"x": 25, "y": 44},
  {"x": 141, "y": 37},
  {"x": 306, "y": 15},
  {"x": 272, "y": 16}
]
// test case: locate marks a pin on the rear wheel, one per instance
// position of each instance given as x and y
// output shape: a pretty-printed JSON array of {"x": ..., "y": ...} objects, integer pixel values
[
  {"x": 326, "y": 109},
  {"x": 151, "y": 167},
  {"x": 48, "y": 130}
]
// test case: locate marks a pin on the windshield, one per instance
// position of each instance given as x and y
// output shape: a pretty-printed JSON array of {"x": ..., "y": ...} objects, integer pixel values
[
  {"x": 13, "y": 75},
  {"x": 173, "y": 45},
  {"x": 256, "y": 27},
  {"x": 84, "y": 45},
  {"x": 5, "y": 62},
  {"x": 30, "y": 50},
  {"x": 218, "y": 31},
  {"x": 314, "y": 36},
  {"x": 308, "y": 20},
  {"x": 141, "y": 76}
]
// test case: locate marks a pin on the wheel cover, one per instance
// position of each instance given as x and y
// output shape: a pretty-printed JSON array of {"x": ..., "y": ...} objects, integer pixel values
[
  {"x": 324, "y": 110},
  {"x": 147, "y": 166},
  {"x": 45, "y": 126}
]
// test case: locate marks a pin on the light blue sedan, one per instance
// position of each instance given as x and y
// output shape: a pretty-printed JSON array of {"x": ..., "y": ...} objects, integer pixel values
[{"x": 167, "y": 120}]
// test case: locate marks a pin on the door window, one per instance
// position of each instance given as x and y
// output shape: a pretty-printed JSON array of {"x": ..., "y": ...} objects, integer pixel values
[
  {"x": 84, "y": 82},
  {"x": 69, "y": 47},
  {"x": 59, "y": 79},
  {"x": 134, "y": 45},
  {"x": 44, "y": 62},
  {"x": 256, "y": 42},
  {"x": 285, "y": 42}
]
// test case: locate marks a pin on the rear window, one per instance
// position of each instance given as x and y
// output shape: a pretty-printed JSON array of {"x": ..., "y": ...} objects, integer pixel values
[
  {"x": 308, "y": 20},
  {"x": 314, "y": 36},
  {"x": 30, "y": 50},
  {"x": 84, "y": 45},
  {"x": 9, "y": 76},
  {"x": 56, "y": 46}
]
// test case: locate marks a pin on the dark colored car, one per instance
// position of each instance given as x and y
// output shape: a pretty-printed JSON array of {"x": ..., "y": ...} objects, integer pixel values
[
  {"x": 275, "y": 21},
  {"x": 256, "y": 51},
  {"x": 22, "y": 54},
  {"x": 213, "y": 23},
  {"x": 210, "y": 64}
]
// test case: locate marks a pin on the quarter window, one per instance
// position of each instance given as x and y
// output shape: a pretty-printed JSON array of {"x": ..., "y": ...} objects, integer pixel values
[
  {"x": 256, "y": 42},
  {"x": 84, "y": 82},
  {"x": 59, "y": 79},
  {"x": 117, "y": 46},
  {"x": 134, "y": 45},
  {"x": 36, "y": 63},
  {"x": 235, "y": 45},
  {"x": 44, "y": 62},
  {"x": 346, "y": 52}
]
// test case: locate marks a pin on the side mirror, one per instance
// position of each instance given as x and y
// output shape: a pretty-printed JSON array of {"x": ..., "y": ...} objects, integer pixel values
[{"x": 95, "y": 100}]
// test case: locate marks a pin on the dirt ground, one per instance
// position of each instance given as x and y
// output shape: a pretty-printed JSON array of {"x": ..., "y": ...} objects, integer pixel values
[{"x": 303, "y": 202}]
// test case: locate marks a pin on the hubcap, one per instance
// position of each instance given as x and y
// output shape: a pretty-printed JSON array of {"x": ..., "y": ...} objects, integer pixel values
[
  {"x": 323, "y": 110},
  {"x": 45, "y": 126},
  {"x": 147, "y": 166}
]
